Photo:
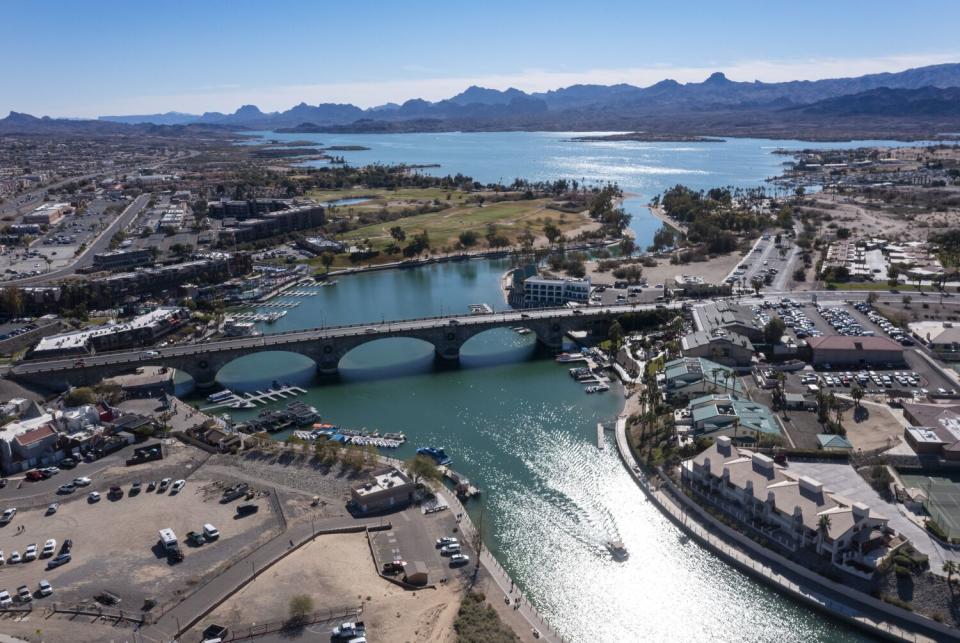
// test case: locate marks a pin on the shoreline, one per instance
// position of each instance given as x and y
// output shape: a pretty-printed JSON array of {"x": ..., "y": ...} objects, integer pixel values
[
  {"x": 658, "y": 212},
  {"x": 818, "y": 594}
]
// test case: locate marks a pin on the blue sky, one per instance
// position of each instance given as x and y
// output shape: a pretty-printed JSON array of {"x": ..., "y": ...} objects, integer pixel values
[{"x": 92, "y": 57}]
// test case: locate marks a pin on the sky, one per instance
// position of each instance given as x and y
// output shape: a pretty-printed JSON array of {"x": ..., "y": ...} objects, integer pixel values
[{"x": 86, "y": 58}]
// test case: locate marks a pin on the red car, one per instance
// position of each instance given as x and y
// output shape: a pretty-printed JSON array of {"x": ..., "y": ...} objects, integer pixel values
[{"x": 35, "y": 475}]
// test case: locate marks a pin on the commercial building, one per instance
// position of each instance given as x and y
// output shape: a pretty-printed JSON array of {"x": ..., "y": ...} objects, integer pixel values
[
  {"x": 388, "y": 489},
  {"x": 694, "y": 376},
  {"x": 728, "y": 415},
  {"x": 942, "y": 337},
  {"x": 25, "y": 443},
  {"x": 47, "y": 214},
  {"x": 120, "y": 259},
  {"x": 544, "y": 291},
  {"x": 140, "y": 331},
  {"x": 792, "y": 510},
  {"x": 720, "y": 346},
  {"x": 847, "y": 350},
  {"x": 724, "y": 316}
]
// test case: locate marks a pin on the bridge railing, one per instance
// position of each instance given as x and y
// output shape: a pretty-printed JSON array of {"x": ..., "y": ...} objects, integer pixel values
[{"x": 273, "y": 338}]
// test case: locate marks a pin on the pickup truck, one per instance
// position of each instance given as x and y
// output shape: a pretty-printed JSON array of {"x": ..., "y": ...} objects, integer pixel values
[{"x": 348, "y": 630}]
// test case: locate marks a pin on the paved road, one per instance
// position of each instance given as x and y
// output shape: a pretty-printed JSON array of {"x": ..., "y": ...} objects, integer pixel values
[
  {"x": 99, "y": 244},
  {"x": 139, "y": 357}
]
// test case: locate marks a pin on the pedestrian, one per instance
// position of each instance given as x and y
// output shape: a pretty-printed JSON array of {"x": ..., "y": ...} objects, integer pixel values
[{"x": 291, "y": 543}]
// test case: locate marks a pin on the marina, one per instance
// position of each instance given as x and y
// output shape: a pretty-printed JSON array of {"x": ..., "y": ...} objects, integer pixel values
[
  {"x": 480, "y": 309},
  {"x": 349, "y": 436},
  {"x": 228, "y": 399}
]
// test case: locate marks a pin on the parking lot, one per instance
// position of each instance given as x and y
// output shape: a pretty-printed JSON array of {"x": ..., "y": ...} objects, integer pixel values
[{"x": 115, "y": 541}]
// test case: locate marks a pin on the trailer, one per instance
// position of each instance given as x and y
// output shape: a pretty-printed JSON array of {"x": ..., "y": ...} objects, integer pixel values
[{"x": 168, "y": 539}]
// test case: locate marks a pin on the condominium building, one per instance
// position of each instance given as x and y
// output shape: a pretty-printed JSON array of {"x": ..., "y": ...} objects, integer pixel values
[{"x": 544, "y": 291}]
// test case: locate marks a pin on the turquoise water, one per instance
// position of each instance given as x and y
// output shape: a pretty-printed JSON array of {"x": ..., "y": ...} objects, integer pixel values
[
  {"x": 520, "y": 427},
  {"x": 641, "y": 169}
]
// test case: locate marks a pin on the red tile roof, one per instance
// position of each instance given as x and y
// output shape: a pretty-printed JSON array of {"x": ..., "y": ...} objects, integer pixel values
[
  {"x": 35, "y": 435},
  {"x": 851, "y": 343}
]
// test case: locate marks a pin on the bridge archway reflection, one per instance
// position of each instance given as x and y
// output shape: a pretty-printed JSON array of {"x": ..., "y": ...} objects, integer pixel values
[
  {"x": 498, "y": 346},
  {"x": 387, "y": 357},
  {"x": 258, "y": 371}
]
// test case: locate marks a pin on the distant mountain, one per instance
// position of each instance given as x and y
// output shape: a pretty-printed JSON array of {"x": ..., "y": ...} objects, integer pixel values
[
  {"x": 899, "y": 103},
  {"x": 914, "y": 102},
  {"x": 25, "y": 124}
]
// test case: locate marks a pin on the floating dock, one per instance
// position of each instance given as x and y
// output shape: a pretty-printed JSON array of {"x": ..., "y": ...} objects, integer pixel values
[
  {"x": 601, "y": 443},
  {"x": 250, "y": 400}
]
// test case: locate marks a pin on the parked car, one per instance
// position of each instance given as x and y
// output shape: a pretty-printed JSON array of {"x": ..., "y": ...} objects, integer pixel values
[
  {"x": 115, "y": 493},
  {"x": 246, "y": 510},
  {"x": 52, "y": 508},
  {"x": 210, "y": 532},
  {"x": 151, "y": 485},
  {"x": 45, "y": 588},
  {"x": 448, "y": 550},
  {"x": 68, "y": 463},
  {"x": 164, "y": 484},
  {"x": 66, "y": 546},
  {"x": 135, "y": 488},
  {"x": 30, "y": 553},
  {"x": 458, "y": 560},
  {"x": 177, "y": 486},
  {"x": 56, "y": 561},
  {"x": 15, "y": 557},
  {"x": 195, "y": 538},
  {"x": 66, "y": 488},
  {"x": 49, "y": 548},
  {"x": 94, "y": 496},
  {"x": 24, "y": 594},
  {"x": 82, "y": 481},
  {"x": 8, "y": 515},
  {"x": 348, "y": 630},
  {"x": 5, "y": 600},
  {"x": 446, "y": 540},
  {"x": 2, "y": 559}
]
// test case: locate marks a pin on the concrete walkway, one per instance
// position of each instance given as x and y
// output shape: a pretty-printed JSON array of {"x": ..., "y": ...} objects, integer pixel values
[
  {"x": 207, "y": 597},
  {"x": 503, "y": 580}
]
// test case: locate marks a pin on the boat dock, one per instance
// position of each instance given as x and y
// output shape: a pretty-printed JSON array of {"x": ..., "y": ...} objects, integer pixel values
[
  {"x": 463, "y": 487},
  {"x": 601, "y": 443},
  {"x": 250, "y": 400},
  {"x": 480, "y": 309}
]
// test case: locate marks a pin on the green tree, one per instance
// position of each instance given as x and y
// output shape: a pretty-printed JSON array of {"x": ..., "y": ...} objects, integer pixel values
[
  {"x": 398, "y": 234},
  {"x": 80, "y": 396},
  {"x": 615, "y": 335},
  {"x": 551, "y": 231},
  {"x": 327, "y": 260},
  {"x": 857, "y": 395},
  {"x": 773, "y": 331},
  {"x": 422, "y": 468},
  {"x": 468, "y": 238}
]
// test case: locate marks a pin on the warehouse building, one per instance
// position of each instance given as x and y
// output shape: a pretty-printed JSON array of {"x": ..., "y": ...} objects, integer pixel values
[{"x": 846, "y": 350}]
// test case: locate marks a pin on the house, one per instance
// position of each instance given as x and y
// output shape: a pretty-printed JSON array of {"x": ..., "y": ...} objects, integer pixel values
[
  {"x": 799, "y": 402},
  {"x": 829, "y": 442},
  {"x": 388, "y": 489},
  {"x": 794, "y": 511},
  {"x": 851, "y": 350},
  {"x": 28, "y": 442},
  {"x": 722, "y": 347},
  {"x": 692, "y": 376}
]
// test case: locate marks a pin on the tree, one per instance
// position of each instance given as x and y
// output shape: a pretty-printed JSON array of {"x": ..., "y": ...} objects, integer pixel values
[
  {"x": 950, "y": 568},
  {"x": 615, "y": 335},
  {"x": 327, "y": 259},
  {"x": 823, "y": 526},
  {"x": 757, "y": 284},
  {"x": 11, "y": 301},
  {"x": 301, "y": 606},
  {"x": 421, "y": 468},
  {"x": 397, "y": 233},
  {"x": 627, "y": 247},
  {"x": 468, "y": 238},
  {"x": 872, "y": 298},
  {"x": 551, "y": 231},
  {"x": 857, "y": 395},
  {"x": 80, "y": 396},
  {"x": 773, "y": 331}
]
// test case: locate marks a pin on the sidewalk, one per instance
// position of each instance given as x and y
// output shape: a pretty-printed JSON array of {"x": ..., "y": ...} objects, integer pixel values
[{"x": 758, "y": 568}]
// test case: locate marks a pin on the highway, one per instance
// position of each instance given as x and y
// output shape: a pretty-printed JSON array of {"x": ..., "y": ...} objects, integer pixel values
[{"x": 278, "y": 340}]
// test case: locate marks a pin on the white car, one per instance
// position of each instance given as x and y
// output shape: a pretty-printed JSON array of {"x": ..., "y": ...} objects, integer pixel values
[
  {"x": 82, "y": 482},
  {"x": 5, "y": 600},
  {"x": 459, "y": 559},
  {"x": 94, "y": 496},
  {"x": 14, "y": 557},
  {"x": 30, "y": 553},
  {"x": 49, "y": 548},
  {"x": 448, "y": 550},
  {"x": 45, "y": 588},
  {"x": 2, "y": 559},
  {"x": 8, "y": 515},
  {"x": 177, "y": 486},
  {"x": 447, "y": 540}
]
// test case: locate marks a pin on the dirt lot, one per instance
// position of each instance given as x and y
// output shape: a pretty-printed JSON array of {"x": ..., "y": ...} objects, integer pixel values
[
  {"x": 115, "y": 542},
  {"x": 338, "y": 573},
  {"x": 714, "y": 270},
  {"x": 872, "y": 427}
]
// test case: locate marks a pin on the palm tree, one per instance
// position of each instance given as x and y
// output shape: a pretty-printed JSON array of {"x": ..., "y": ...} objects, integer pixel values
[
  {"x": 715, "y": 372},
  {"x": 951, "y": 568},
  {"x": 823, "y": 526},
  {"x": 857, "y": 395}
]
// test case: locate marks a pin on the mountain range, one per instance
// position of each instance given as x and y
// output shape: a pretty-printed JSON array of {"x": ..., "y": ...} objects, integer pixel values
[{"x": 913, "y": 103}]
